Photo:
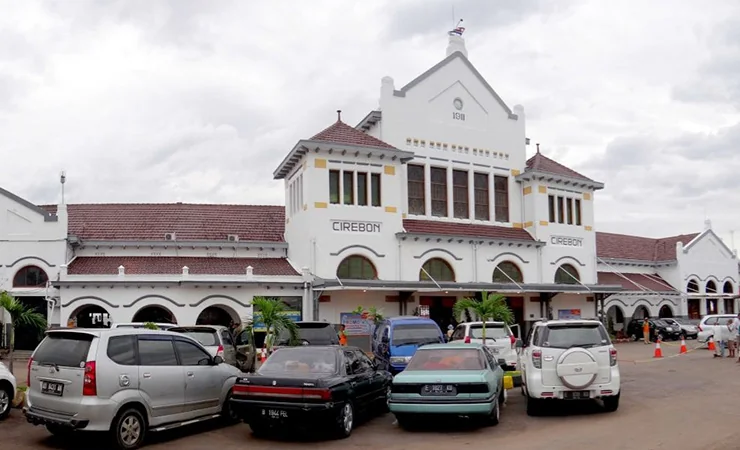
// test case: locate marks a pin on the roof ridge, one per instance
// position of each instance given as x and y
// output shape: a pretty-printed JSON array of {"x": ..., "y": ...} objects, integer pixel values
[
  {"x": 164, "y": 204},
  {"x": 342, "y": 133},
  {"x": 533, "y": 163}
]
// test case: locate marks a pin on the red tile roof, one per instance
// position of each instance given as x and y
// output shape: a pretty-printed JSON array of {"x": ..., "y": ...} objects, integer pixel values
[
  {"x": 651, "y": 282},
  {"x": 189, "y": 222},
  {"x": 150, "y": 265},
  {"x": 461, "y": 229},
  {"x": 341, "y": 133},
  {"x": 542, "y": 163},
  {"x": 623, "y": 246}
]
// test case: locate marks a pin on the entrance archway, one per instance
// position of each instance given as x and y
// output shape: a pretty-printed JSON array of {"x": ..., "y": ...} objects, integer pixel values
[
  {"x": 218, "y": 315},
  {"x": 615, "y": 319},
  {"x": 90, "y": 316},
  {"x": 641, "y": 312},
  {"x": 155, "y": 314},
  {"x": 665, "y": 311}
]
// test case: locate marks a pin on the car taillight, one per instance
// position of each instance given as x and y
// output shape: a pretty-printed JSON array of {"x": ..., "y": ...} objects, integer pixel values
[
  {"x": 89, "y": 384},
  {"x": 513, "y": 341},
  {"x": 220, "y": 351},
  {"x": 537, "y": 359},
  {"x": 28, "y": 375},
  {"x": 699, "y": 327},
  {"x": 613, "y": 357},
  {"x": 467, "y": 339},
  {"x": 283, "y": 392}
]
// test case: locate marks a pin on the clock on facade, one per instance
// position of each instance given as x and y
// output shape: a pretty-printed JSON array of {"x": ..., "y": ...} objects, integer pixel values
[{"x": 458, "y": 103}]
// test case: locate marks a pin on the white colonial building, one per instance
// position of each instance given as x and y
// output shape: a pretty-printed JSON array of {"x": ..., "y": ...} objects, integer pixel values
[{"x": 429, "y": 199}]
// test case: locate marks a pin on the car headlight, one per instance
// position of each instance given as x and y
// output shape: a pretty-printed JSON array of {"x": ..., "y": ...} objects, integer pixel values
[
  {"x": 669, "y": 329},
  {"x": 400, "y": 359}
]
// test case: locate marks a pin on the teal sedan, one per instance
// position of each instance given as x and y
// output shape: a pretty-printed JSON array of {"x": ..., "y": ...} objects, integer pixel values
[{"x": 455, "y": 379}]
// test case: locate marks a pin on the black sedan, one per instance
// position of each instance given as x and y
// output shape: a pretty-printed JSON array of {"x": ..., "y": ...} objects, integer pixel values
[{"x": 313, "y": 387}]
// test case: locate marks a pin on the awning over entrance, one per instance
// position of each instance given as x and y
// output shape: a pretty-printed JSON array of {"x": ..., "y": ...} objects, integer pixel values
[{"x": 431, "y": 286}]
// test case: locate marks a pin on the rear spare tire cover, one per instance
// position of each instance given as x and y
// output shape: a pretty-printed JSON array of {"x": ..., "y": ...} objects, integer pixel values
[{"x": 577, "y": 368}]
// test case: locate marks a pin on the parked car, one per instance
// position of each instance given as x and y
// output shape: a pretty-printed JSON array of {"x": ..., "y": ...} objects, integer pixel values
[
  {"x": 455, "y": 378},
  {"x": 709, "y": 323},
  {"x": 126, "y": 382},
  {"x": 500, "y": 339},
  {"x": 8, "y": 386},
  {"x": 310, "y": 333},
  {"x": 688, "y": 327},
  {"x": 216, "y": 339},
  {"x": 316, "y": 387},
  {"x": 568, "y": 360},
  {"x": 658, "y": 328},
  {"x": 139, "y": 325},
  {"x": 396, "y": 339}
]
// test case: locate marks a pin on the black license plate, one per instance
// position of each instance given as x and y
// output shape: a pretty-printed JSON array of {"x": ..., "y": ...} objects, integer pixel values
[
  {"x": 438, "y": 389},
  {"x": 47, "y": 387},
  {"x": 576, "y": 395},
  {"x": 274, "y": 414}
]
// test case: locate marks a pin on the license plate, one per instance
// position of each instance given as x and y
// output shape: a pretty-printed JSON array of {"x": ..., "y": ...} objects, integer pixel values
[
  {"x": 275, "y": 413},
  {"x": 438, "y": 389},
  {"x": 50, "y": 388},
  {"x": 576, "y": 395}
]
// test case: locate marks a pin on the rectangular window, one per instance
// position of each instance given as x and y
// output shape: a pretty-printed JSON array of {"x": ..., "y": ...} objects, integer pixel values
[
  {"x": 157, "y": 352},
  {"x": 482, "y": 208},
  {"x": 348, "y": 180},
  {"x": 569, "y": 204},
  {"x": 501, "y": 200},
  {"x": 375, "y": 189},
  {"x": 439, "y": 191},
  {"x": 551, "y": 208},
  {"x": 361, "y": 189},
  {"x": 334, "y": 186},
  {"x": 561, "y": 210},
  {"x": 578, "y": 212},
  {"x": 416, "y": 189},
  {"x": 460, "y": 206}
]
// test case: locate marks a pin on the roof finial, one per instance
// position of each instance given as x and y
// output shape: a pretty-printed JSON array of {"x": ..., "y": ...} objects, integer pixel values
[
  {"x": 538, "y": 147},
  {"x": 339, "y": 115}
]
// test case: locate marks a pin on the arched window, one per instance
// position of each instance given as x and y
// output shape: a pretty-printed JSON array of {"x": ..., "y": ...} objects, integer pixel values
[
  {"x": 356, "y": 267},
  {"x": 692, "y": 286},
  {"x": 30, "y": 276},
  {"x": 506, "y": 272},
  {"x": 567, "y": 274},
  {"x": 438, "y": 269},
  {"x": 727, "y": 288},
  {"x": 711, "y": 287}
]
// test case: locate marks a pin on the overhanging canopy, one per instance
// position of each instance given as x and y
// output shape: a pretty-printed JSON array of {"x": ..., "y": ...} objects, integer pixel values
[{"x": 430, "y": 286}]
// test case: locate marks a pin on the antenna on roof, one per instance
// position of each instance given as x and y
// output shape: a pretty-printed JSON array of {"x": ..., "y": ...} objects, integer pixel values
[
  {"x": 62, "y": 180},
  {"x": 339, "y": 115},
  {"x": 538, "y": 147}
]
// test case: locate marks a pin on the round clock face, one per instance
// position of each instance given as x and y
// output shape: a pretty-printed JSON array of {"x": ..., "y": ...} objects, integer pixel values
[{"x": 458, "y": 103}]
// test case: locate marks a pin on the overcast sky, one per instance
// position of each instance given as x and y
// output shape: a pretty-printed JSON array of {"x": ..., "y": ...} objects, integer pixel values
[{"x": 142, "y": 101}]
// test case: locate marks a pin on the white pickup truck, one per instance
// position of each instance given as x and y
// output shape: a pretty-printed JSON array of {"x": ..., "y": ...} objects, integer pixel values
[{"x": 8, "y": 386}]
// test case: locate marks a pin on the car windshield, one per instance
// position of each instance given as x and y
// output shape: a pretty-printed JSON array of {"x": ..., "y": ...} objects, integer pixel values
[
  {"x": 206, "y": 338},
  {"x": 300, "y": 360},
  {"x": 313, "y": 333},
  {"x": 415, "y": 333},
  {"x": 447, "y": 359},
  {"x": 63, "y": 349},
  {"x": 495, "y": 331},
  {"x": 574, "y": 335}
]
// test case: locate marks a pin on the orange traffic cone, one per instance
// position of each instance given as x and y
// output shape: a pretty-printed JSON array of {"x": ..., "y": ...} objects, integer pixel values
[
  {"x": 658, "y": 351},
  {"x": 683, "y": 346},
  {"x": 711, "y": 346}
]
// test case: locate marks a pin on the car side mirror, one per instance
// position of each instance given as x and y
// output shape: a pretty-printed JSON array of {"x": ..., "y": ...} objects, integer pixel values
[
  {"x": 519, "y": 343},
  {"x": 217, "y": 360}
]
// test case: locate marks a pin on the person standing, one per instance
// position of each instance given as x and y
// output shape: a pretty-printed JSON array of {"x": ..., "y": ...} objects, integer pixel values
[
  {"x": 732, "y": 337},
  {"x": 342, "y": 335},
  {"x": 721, "y": 336},
  {"x": 736, "y": 324},
  {"x": 646, "y": 331}
]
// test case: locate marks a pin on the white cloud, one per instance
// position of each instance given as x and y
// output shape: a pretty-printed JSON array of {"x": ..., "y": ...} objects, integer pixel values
[{"x": 199, "y": 101}]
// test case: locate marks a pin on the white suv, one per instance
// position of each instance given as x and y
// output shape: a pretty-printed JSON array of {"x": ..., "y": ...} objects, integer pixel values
[
  {"x": 568, "y": 360},
  {"x": 7, "y": 391},
  {"x": 499, "y": 339}
]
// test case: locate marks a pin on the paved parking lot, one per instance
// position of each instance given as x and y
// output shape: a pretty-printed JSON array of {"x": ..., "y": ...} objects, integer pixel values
[{"x": 685, "y": 402}]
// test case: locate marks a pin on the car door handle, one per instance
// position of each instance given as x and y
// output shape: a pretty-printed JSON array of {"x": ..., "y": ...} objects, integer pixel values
[
  {"x": 191, "y": 374},
  {"x": 147, "y": 375}
]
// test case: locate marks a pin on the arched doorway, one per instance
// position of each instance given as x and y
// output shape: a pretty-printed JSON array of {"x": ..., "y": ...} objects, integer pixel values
[
  {"x": 711, "y": 288},
  {"x": 218, "y": 315},
  {"x": 156, "y": 314},
  {"x": 665, "y": 312},
  {"x": 729, "y": 302},
  {"x": 90, "y": 316},
  {"x": 641, "y": 312},
  {"x": 439, "y": 307},
  {"x": 615, "y": 320}
]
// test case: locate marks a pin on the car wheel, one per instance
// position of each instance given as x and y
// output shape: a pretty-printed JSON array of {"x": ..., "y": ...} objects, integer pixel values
[
  {"x": 495, "y": 416},
  {"x": 5, "y": 402},
  {"x": 611, "y": 404},
  {"x": 534, "y": 406},
  {"x": 228, "y": 414},
  {"x": 129, "y": 429},
  {"x": 345, "y": 421},
  {"x": 59, "y": 431},
  {"x": 405, "y": 421}
]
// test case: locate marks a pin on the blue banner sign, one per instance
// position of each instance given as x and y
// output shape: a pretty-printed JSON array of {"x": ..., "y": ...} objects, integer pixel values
[{"x": 258, "y": 326}]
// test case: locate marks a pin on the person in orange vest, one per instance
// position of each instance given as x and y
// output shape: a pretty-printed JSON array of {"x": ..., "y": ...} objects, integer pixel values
[
  {"x": 646, "y": 331},
  {"x": 342, "y": 336}
]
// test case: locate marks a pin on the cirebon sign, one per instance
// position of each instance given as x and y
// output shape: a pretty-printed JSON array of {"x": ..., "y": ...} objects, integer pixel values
[
  {"x": 566, "y": 241},
  {"x": 355, "y": 226}
]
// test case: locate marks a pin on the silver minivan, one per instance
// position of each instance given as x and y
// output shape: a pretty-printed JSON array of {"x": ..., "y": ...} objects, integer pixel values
[
  {"x": 216, "y": 339},
  {"x": 125, "y": 381}
]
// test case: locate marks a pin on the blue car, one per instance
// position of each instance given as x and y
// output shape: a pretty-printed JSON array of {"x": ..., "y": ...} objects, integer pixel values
[{"x": 396, "y": 340}]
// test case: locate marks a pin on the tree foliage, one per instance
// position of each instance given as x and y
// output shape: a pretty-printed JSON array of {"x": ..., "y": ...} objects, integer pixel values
[
  {"x": 20, "y": 316},
  {"x": 272, "y": 313},
  {"x": 492, "y": 307}
]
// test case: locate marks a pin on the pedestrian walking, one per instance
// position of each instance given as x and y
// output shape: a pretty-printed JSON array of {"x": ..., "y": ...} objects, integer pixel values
[
  {"x": 450, "y": 329},
  {"x": 736, "y": 323},
  {"x": 342, "y": 335},
  {"x": 732, "y": 338},
  {"x": 721, "y": 336},
  {"x": 646, "y": 331}
]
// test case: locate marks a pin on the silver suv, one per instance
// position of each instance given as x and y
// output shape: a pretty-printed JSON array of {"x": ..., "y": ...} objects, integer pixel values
[{"x": 125, "y": 381}]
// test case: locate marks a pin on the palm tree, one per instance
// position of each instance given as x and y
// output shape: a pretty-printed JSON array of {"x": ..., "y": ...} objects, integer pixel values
[
  {"x": 20, "y": 315},
  {"x": 490, "y": 307},
  {"x": 272, "y": 314}
]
